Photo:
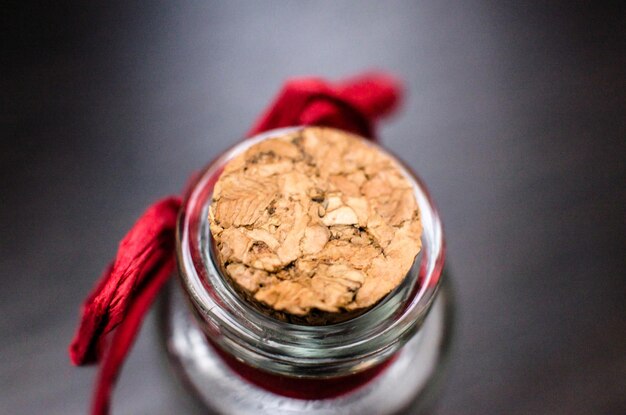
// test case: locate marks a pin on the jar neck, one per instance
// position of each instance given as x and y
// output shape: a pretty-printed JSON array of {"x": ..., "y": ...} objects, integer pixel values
[{"x": 282, "y": 348}]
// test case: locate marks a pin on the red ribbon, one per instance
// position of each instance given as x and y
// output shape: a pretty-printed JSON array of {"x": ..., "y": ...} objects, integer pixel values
[
  {"x": 145, "y": 258},
  {"x": 353, "y": 105}
]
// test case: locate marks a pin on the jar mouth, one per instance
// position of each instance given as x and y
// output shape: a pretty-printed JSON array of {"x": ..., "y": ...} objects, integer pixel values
[{"x": 292, "y": 349}]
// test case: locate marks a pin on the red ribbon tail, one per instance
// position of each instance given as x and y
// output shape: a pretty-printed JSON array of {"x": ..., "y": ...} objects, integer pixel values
[
  {"x": 144, "y": 261},
  {"x": 125, "y": 335},
  {"x": 85, "y": 348},
  {"x": 149, "y": 241}
]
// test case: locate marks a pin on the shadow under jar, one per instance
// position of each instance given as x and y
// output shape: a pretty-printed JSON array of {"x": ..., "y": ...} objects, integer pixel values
[{"x": 237, "y": 360}]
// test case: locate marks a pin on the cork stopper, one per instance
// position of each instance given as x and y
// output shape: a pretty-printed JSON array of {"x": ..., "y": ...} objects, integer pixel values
[{"x": 315, "y": 226}]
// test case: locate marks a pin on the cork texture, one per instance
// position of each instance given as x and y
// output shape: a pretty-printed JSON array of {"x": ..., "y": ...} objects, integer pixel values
[{"x": 315, "y": 226}]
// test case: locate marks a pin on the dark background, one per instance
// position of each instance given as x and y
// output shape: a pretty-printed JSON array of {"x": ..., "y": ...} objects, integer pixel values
[{"x": 515, "y": 118}]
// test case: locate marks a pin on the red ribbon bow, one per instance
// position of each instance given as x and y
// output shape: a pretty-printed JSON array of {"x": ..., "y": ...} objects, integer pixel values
[{"x": 145, "y": 258}]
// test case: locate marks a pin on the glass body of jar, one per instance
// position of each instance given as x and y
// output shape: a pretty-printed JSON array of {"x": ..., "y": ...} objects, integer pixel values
[{"x": 237, "y": 360}]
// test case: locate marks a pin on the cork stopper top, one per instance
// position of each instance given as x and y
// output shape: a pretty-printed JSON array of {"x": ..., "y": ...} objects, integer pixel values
[{"x": 314, "y": 226}]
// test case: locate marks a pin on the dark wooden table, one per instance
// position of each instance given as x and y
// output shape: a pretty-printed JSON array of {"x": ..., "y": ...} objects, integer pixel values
[{"x": 515, "y": 118}]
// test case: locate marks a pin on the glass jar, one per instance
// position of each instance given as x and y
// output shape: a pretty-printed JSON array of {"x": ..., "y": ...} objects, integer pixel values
[{"x": 237, "y": 360}]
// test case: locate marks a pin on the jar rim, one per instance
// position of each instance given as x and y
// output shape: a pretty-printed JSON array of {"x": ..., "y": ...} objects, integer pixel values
[{"x": 292, "y": 349}]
